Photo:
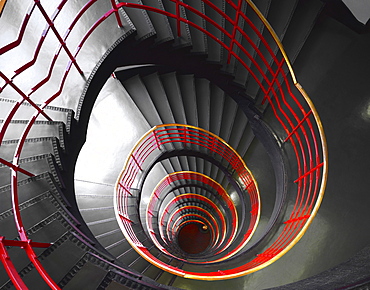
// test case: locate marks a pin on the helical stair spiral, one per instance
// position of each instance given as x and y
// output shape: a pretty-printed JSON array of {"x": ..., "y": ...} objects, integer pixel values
[{"x": 196, "y": 88}]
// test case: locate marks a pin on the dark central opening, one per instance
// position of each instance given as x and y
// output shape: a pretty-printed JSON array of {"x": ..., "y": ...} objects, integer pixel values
[{"x": 194, "y": 238}]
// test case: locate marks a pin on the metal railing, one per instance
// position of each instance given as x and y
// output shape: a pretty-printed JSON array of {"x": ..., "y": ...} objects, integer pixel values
[
  {"x": 147, "y": 150},
  {"x": 294, "y": 112},
  {"x": 221, "y": 242}
]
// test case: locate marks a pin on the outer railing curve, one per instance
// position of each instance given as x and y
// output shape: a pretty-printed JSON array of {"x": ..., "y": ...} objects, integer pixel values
[{"x": 295, "y": 113}]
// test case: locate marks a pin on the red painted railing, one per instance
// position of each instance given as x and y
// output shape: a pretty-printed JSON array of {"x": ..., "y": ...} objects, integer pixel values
[
  {"x": 228, "y": 206},
  {"x": 39, "y": 110},
  {"x": 150, "y": 147},
  {"x": 293, "y": 111}
]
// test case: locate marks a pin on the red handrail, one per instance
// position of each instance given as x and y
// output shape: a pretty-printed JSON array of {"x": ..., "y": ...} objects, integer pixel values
[
  {"x": 182, "y": 136},
  {"x": 293, "y": 112},
  {"x": 189, "y": 176}
]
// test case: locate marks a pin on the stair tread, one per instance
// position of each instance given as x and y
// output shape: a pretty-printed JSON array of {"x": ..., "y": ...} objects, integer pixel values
[
  {"x": 154, "y": 87},
  {"x": 54, "y": 262},
  {"x": 187, "y": 88},
  {"x": 32, "y": 147},
  {"x": 160, "y": 22},
  {"x": 140, "y": 20},
  {"x": 198, "y": 38},
  {"x": 141, "y": 97},
  {"x": 25, "y": 112},
  {"x": 172, "y": 90},
  {"x": 215, "y": 52},
  {"x": 36, "y": 165},
  {"x": 38, "y": 130},
  {"x": 31, "y": 188},
  {"x": 184, "y": 40},
  {"x": 88, "y": 272}
]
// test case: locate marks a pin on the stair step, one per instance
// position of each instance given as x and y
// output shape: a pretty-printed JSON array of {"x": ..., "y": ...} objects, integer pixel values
[
  {"x": 154, "y": 87},
  {"x": 110, "y": 237},
  {"x": 198, "y": 38},
  {"x": 202, "y": 88},
  {"x": 302, "y": 22},
  {"x": 36, "y": 165},
  {"x": 120, "y": 281},
  {"x": 103, "y": 226},
  {"x": 228, "y": 119},
  {"x": 187, "y": 89},
  {"x": 105, "y": 271},
  {"x": 242, "y": 74},
  {"x": 25, "y": 112},
  {"x": 280, "y": 14},
  {"x": 160, "y": 22},
  {"x": 158, "y": 96},
  {"x": 39, "y": 129},
  {"x": 229, "y": 62},
  {"x": 216, "y": 107},
  {"x": 44, "y": 204},
  {"x": 300, "y": 26},
  {"x": 34, "y": 147},
  {"x": 215, "y": 51},
  {"x": 139, "y": 94},
  {"x": 190, "y": 162},
  {"x": 88, "y": 272},
  {"x": 184, "y": 40},
  {"x": 140, "y": 20},
  {"x": 31, "y": 188},
  {"x": 125, "y": 256},
  {"x": 97, "y": 213},
  {"x": 173, "y": 93},
  {"x": 17, "y": 256},
  {"x": 54, "y": 261},
  {"x": 245, "y": 141},
  {"x": 48, "y": 230},
  {"x": 279, "y": 17},
  {"x": 184, "y": 162}
]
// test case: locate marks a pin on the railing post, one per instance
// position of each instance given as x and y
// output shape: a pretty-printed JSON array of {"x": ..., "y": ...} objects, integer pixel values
[
  {"x": 178, "y": 23},
  {"x": 156, "y": 139},
  {"x": 235, "y": 24},
  {"x": 136, "y": 162},
  {"x": 119, "y": 21}
]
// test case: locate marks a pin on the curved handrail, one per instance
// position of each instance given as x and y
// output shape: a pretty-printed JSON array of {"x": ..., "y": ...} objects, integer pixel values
[
  {"x": 311, "y": 152},
  {"x": 141, "y": 157},
  {"x": 189, "y": 175},
  {"x": 39, "y": 111}
]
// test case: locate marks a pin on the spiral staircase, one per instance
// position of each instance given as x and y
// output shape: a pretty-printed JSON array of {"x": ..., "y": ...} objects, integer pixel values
[{"x": 167, "y": 144}]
